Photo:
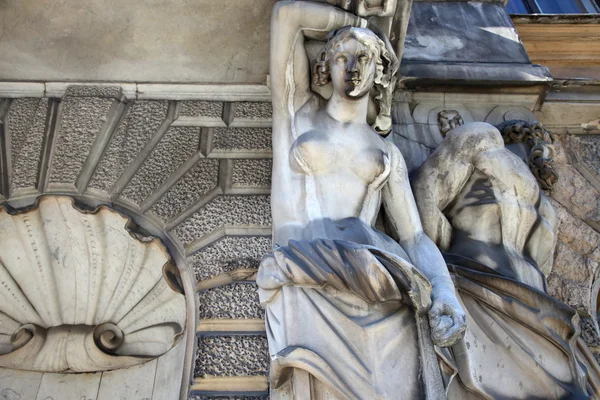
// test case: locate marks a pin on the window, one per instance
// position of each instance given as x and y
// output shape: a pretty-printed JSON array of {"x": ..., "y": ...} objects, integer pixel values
[{"x": 553, "y": 6}]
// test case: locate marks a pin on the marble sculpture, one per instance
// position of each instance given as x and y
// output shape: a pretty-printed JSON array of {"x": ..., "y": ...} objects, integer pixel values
[
  {"x": 352, "y": 313},
  {"x": 480, "y": 199},
  {"x": 340, "y": 295}
]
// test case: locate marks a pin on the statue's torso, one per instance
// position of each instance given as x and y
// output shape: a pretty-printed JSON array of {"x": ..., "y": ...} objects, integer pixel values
[
  {"x": 336, "y": 163},
  {"x": 479, "y": 233}
]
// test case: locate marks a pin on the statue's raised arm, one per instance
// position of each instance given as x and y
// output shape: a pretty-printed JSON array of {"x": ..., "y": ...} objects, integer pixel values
[{"x": 292, "y": 23}]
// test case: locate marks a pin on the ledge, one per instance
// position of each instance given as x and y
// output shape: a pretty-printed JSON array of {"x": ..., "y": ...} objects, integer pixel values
[
  {"x": 231, "y": 385},
  {"x": 555, "y": 18},
  {"x": 216, "y": 326},
  {"x": 472, "y": 74},
  {"x": 147, "y": 91}
]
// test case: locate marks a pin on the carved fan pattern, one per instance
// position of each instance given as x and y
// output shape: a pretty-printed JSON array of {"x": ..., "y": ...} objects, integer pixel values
[{"x": 80, "y": 293}]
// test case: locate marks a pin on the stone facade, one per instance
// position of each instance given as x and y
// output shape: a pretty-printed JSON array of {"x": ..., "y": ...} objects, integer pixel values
[
  {"x": 195, "y": 173},
  {"x": 194, "y": 162},
  {"x": 191, "y": 164}
]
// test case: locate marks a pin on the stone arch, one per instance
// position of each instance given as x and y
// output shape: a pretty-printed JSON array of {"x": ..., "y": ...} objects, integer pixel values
[{"x": 190, "y": 168}]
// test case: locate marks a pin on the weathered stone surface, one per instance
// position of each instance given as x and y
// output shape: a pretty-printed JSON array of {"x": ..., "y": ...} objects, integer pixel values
[
  {"x": 414, "y": 153},
  {"x": 586, "y": 151},
  {"x": 420, "y": 133},
  {"x": 201, "y": 109},
  {"x": 118, "y": 41},
  {"x": 82, "y": 279},
  {"x": 81, "y": 121},
  {"x": 195, "y": 397},
  {"x": 169, "y": 371},
  {"x": 252, "y": 173},
  {"x": 26, "y": 124},
  {"x": 56, "y": 386},
  {"x": 142, "y": 120},
  {"x": 570, "y": 117},
  {"x": 576, "y": 194},
  {"x": 589, "y": 153},
  {"x": 253, "y": 110},
  {"x": 105, "y": 91},
  {"x": 178, "y": 144},
  {"x": 134, "y": 383},
  {"x": 589, "y": 334},
  {"x": 199, "y": 180},
  {"x": 239, "y": 300},
  {"x": 433, "y": 33},
  {"x": 575, "y": 263},
  {"x": 232, "y": 356},
  {"x": 228, "y": 254},
  {"x": 225, "y": 211},
  {"x": 242, "y": 139},
  {"x": 17, "y": 385}
]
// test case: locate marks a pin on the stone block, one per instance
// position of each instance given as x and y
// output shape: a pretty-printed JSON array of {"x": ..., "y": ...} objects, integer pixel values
[
  {"x": 132, "y": 383},
  {"x": 26, "y": 124},
  {"x": 575, "y": 193},
  {"x": 570, "y": 117},
  {"x": 17, "y": 385},
  {"x": 235, "y": 140},
  {"x": 228, "y": 254},
  {"x": 141, "y": 121},
  {"x": 192, "y": 186},
  {"x": 178, "y": 144},
  {"x": 576, "y": 262},
  {"x": 252, "y": 173},
  {"x": 248, "y": 110},
  {"x": 82, "y": 119},
  {"x": 211, "y": 109},
  {"x": 225, "y": 211},
  {"x": 232, "y": 356},
  {"x": 238, "y": 300},
  {"x": 69, "y": 386},
  {"x": 110, "y": 40}
]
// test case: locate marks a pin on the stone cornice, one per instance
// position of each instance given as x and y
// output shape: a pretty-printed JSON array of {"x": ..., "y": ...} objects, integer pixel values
[{"x": 146, "y": 91}]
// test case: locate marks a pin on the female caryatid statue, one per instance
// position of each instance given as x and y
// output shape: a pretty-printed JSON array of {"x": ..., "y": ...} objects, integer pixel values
[{"x": 341, "y": 297}]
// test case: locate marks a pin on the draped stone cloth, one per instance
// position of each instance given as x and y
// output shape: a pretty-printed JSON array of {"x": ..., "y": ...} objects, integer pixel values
[
  {"x": 344, "y": 312},
  {"x": 520, "y": 342}
]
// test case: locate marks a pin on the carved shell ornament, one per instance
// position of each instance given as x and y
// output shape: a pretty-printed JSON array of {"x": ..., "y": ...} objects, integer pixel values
[{"x": 79, "y": 292}]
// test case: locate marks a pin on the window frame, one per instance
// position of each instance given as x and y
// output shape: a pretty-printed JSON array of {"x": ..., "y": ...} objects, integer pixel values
[{"x": 533, "y": 8}]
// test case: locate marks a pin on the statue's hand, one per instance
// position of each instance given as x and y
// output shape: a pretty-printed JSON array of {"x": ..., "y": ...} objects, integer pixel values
[{"x": 446, "y": 318}]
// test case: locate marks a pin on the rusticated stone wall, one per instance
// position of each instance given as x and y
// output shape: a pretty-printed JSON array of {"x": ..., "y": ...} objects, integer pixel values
[
  {"x": 194, "y": 172},
  {"x": 576, "y": 197}
]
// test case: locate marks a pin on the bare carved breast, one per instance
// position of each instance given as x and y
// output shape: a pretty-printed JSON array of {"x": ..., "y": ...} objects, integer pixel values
[{"x": 342, "y": 163}]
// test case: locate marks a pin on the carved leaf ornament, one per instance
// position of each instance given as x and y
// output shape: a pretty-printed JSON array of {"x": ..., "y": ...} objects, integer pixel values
[{"x": 79, "y": 292}]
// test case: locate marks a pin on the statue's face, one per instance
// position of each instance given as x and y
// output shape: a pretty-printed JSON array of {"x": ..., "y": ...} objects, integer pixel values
[{"x": 352, "y": 69}]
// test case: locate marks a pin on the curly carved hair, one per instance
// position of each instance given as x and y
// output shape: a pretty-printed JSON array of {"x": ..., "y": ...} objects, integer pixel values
[
  {"x": 539, "y": 141},
  {"x": 386, "y": 66}
]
